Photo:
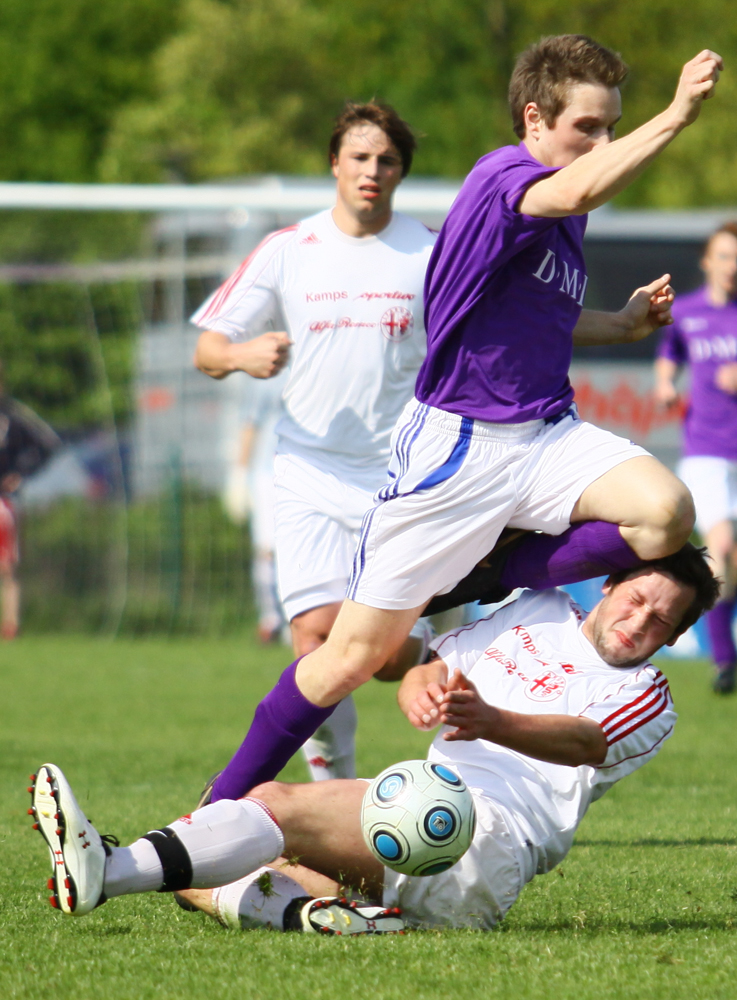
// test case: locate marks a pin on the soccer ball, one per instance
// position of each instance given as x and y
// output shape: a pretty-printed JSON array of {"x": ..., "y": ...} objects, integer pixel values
[{"x": 418, "y": 817}]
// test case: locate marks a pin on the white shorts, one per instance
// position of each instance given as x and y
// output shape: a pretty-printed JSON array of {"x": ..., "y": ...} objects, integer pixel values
[
  {"x": 317, "y": 520},
  {"x": 455, "y": 483},
  {"x": 713, "y": 483},
  {"x": 479, "y": 890}
]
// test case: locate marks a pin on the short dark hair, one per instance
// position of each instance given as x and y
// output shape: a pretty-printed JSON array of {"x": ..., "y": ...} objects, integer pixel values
[
  {"x": 688, "y": 566},
  {"x": 384, "y": 117},
  {"x": 543, "y": 74}
]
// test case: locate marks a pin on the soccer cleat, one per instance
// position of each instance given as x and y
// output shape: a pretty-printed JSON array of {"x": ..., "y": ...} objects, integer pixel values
[
  {"x": 724, "y": 680},
  {"x": 482, "y": 584},
  {"x": 335, "y": 915},
  {"x": 77, "y": 851},
  {"x": 206, "y": 793}
]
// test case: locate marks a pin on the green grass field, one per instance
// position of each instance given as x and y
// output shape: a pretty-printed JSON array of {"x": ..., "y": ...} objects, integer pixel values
[{"x": 644, "y": 906}]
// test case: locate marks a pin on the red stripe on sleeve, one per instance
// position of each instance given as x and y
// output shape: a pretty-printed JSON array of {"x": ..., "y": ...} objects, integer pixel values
[
  {"x": 611, "y": 732},
  {"x": 223, "y": 293}
]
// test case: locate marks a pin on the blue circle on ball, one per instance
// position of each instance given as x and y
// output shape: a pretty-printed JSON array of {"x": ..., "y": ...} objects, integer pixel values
[
  {"x": 446, "y": 774},
  {"x": 387, "y": 846},
  {"x": 440, "y": 824},
  {"x": 391, "y": 786}
]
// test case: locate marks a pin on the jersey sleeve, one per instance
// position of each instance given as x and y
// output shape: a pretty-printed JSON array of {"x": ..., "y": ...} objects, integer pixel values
[
  {"x": 249, "y": 302},
  {"x": 672, "y": 344},
  {"x": 495, "y": 193},
  {"x": 637, "y": 717}
]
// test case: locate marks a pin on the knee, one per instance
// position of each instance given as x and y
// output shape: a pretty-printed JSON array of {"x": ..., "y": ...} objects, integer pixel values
[
  {"x": 273, "y": 794},
  {"x": 669, "y": 523}
]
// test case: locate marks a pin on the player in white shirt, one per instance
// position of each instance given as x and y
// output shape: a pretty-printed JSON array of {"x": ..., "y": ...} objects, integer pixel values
[
  {"x": 341, "y": 295},
  {"x": 543, "y": 709}
]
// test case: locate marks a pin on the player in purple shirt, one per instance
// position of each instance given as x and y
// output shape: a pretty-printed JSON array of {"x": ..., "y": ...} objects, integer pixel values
[
  {"x": 492, "y": 438},
  {"x": 704, "y": 337}
]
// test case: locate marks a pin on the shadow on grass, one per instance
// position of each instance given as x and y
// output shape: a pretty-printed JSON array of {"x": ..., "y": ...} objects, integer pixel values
[{"x": 658, "y": 842}]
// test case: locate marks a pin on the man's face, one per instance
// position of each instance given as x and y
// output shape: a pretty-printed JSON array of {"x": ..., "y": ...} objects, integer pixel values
[
  {"x": 368, "y": 169},
  {"x": 588, "y": 120},
  {"x": 719, "y": 264},
  {"x": 637, "y": 617}
]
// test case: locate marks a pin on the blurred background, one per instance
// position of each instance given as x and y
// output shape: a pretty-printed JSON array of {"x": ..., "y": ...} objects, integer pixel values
[{"x": 226, "y": 106}]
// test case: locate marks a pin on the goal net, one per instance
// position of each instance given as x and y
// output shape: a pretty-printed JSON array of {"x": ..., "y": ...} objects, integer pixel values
[{"x": 124, "y": 530}]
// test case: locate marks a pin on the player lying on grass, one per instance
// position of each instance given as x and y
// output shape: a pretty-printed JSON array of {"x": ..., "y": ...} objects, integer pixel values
[
  {"x": 493, "y": 438},
  {"x": 339, "y": 296},
  {"x": 543, "y": 708}
]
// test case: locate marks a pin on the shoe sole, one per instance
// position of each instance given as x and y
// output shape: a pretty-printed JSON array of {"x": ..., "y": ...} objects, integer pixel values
[
  {"x": 66, "y": 830},
  {"x": 343, "y": 919}
]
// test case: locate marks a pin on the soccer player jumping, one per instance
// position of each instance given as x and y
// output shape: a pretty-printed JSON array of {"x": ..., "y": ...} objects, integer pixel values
[{"x": 493, "y": 438}]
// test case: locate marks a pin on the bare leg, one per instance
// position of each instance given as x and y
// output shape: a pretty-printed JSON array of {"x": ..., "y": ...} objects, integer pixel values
[
  {"x": 653, "y": 508},
  {"x": 720, "y": 545},
  {"x": 324, "y": 846},
  {"x": 9, "y": 601},
  {"x": 360, "y": 643},
  {"x": 312, "y": 628}
]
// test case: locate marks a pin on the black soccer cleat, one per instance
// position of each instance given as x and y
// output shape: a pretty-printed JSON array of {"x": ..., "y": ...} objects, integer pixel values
[{"x": 482, "y": 584}]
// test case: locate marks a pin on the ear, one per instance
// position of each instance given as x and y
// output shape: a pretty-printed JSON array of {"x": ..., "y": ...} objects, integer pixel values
[
  {"x": 334, "y": 165},
  {"x": 532, "y": 120}
]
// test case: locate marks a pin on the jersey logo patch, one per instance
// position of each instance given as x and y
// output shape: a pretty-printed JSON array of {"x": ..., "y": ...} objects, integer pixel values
[
  {"x": 546, "y": 687},
  {"x": 310, "y": 239},
  {"x": 397, "y": 323}
]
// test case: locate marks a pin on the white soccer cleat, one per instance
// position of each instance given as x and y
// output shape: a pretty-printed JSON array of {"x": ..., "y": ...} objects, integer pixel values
[
  {"x": 76, "y": 848},
  {"x": 335, "y": 915}
]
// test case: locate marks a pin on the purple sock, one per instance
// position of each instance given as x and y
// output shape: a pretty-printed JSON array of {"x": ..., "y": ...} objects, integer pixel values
[
  {"x": 281, "y": 724},
  {"x": 585, "y": 550},
  {"x": 719, "y": 627}
]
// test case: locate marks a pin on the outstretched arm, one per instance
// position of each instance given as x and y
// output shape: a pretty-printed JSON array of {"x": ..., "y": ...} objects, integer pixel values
[
  {"x": 647, "y": 310},
  {"x": 262, "y": 357},
  {"x": 599, "y": 175},
  {"x": 558, "y": 739}
]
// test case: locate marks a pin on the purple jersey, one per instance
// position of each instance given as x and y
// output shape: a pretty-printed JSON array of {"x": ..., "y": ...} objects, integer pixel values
[
  {"x": 503, "y": 293},
  {"x": 704, "y": 337}
]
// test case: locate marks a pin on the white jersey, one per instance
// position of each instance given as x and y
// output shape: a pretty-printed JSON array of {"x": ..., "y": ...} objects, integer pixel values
[
  {"x": 532, "y": 657},
  {"x": 354, "y": 310}
]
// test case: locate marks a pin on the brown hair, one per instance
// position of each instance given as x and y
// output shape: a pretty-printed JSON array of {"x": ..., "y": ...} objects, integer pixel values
[
  {"x": 545, "y": 71},
  {"x": 726, "y": 227},
  {"x": 384, "y": 117},
  {"x": 688, "y": 566}
]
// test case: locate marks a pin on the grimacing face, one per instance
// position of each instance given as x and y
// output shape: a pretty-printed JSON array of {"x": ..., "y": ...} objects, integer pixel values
[
  {"x": 587, "y": 121},
  {"x": 368, "y": 169},
  {"x": 638, "y": 616}
]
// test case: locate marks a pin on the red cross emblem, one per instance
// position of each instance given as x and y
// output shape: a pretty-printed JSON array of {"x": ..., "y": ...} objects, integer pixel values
[
  {"x": 546, "y": 687},
  {"x": 397, "y": 323}
]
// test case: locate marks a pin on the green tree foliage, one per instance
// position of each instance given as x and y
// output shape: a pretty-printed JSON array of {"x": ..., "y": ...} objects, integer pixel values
[
  {"x": 252, "y": 85},
  {"x": 66, "y": 66}
]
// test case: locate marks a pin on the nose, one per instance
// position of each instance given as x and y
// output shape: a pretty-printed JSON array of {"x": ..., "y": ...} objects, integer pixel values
[{"x": 372, "y": 166}]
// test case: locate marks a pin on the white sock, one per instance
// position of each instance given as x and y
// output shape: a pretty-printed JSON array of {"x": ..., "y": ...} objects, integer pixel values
[
  {"x": 133, "y": 869},
  {"x": 224, "y": 841},
  {"x": 331, "y": 752},
  {"x": 258, "y": 900}
]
